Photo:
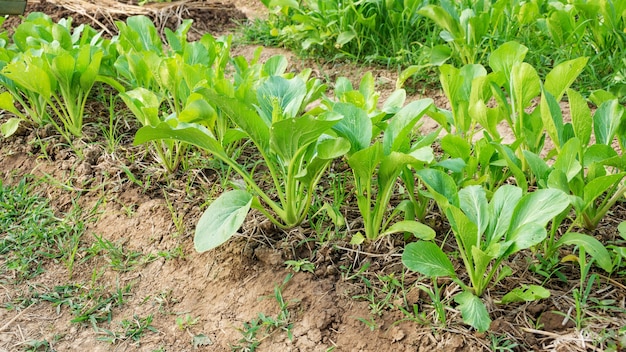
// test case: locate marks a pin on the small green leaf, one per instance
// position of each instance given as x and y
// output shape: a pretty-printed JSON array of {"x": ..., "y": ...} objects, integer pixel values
[
  {"x": 622, "y": 229},
  {"x": 441, "y": 185},
  {"x": 335, "y": 215},
  {"x": 428, "y": 259},
  {"x": 9, "y": 127},
  {"x": 526, "y": 293},
  {"x": 357, "y": 239},
  {"x": 606, "y": 121},
  {"x": 222, "y": 219},
  {"x": 345, "y": 37},
  {"x": 456, "y": 146},
  {"x": 567, "y": 161},
  {"x": 8, "y": 103},
  {"x": 473, "y": 311},
  {"x": 355, "y": 126},
  {"x": 592, "y": 246},
  {"x": 418, "y": 229}
]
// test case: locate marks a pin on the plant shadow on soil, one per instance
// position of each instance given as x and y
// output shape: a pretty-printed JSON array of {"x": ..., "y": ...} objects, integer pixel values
[{"x": 136, "y": 258}]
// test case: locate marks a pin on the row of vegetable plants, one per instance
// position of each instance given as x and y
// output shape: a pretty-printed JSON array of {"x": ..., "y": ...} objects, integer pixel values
[
  {"x": 427, "y": 32},
  {"x": 499, "y": 198}
]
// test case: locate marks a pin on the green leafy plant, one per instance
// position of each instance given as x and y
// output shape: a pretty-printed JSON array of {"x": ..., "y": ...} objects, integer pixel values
[
  {"x": 376, "y": 167},
  {"x": 55, "y": 66},
  {"x": 164, "y": 83},
  {"x": 293, "y": 145},
  {"x": 486, "y": 232},
  {"x": 591, "y": 172}
]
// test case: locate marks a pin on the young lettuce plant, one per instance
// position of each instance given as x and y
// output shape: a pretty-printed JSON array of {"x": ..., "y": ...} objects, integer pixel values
[
  {"x": 376, "y": 167},
  {"x": 486, "y": 232},
  {"x": 293, "y": 144},
  {"x": 163, "y": 84},
  {"x": 57, "y": 67},
  {"x": 591, "y": 172}
]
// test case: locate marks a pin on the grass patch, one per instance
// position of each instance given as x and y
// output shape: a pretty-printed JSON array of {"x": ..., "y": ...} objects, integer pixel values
[{"x": 31, "y": 234}]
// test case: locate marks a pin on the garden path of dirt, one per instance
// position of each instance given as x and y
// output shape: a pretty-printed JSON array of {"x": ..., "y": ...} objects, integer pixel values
[{"x": 228, "y": 286}]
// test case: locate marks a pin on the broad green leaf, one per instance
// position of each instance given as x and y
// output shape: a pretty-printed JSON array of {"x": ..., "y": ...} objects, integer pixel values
[
  {"x": 581, "y": 116},
  {"x": 63, "y": 67},
  {"x": 90, "y": 73},
  {"x": 390, "y": 167},
  {"x": 345, "y": 37},
  {"x": 557, "y": 179},
  {"x": 281, "y": 4},
  {"x": 31, "y": 76},
  {"x": 364, "y": 162},
  {"x": 144, "y": 104},
  {"x": 394, "y": 102},
  {"x": 428, "y": 259},
  {"x": 289, "y": 136},
  {"x": 244, "y": 116},
  {"x": 189, "y": 133},
  {"x": 222, "y": 219},
  {"x": 524, "y": 236},
  {"x": 505, "y": 56},
  {"x": 402, "y": 123},
  {"x": 456, "y": 146},
  {"x": 606, "y": 121},
  {"x": 473, "y": 311},
  {"x": 526, "y": 85},
  {"x": 288, "y": 93},
  {"x": 592, "y": 246},
  {"x": 598, "y": 97},
  {"x": 197, "y": 109},
  {"x": 538, "y": 166},
  {"x": 149, "y": 38},
  {"x": 441, "y": 185},
  {"x": 422, "y": 155},
  {"x": 567, "y": 161},
  {"x": 473, "y": 202},
  {"x": 501, "y": 209},
  {"x": 539, "y": 207},
  {"x": 552, "y": 118},
  {"x": 563, "y": 75},
  {"x": 418, "y": 229},
  {"x": 526, "y": 293},
  {"x": 355, "y": 126},
  {"x": 443, "y": 19},
  {"x": 596, "y": 187},
  {"x": 599, "y": 154},
  {"x": 332, "y": 148},
  {"x": 275, "y": 65},
  {"x": 439, "y": 54}
]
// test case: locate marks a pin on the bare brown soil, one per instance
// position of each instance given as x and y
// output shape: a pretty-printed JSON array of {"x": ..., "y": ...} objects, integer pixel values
[{"x": 334, "y": 307}]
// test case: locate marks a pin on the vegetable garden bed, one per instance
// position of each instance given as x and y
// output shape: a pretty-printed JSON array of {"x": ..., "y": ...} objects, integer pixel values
[{"x": 165, "y": 186}]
